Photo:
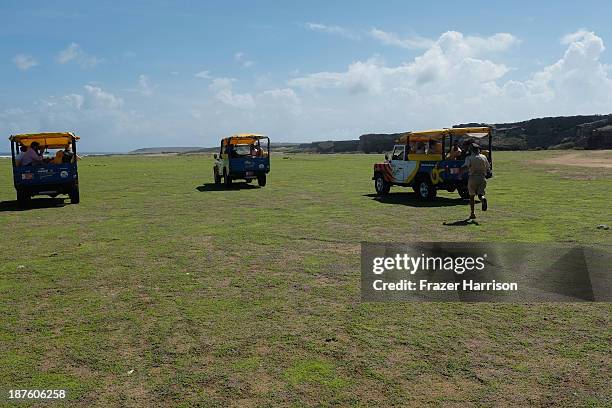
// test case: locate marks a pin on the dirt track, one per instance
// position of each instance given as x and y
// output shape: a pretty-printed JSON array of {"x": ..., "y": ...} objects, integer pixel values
[{"x": 600, "y": 158}]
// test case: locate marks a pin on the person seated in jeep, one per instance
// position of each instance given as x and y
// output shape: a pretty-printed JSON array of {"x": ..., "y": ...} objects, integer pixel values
[
  {"x": 435, "y": 147},
  {"x": 256, "y": 150},
  {"x": 19, "y": 157},
  {"x": 466, "y": 149},
  {"x": 455, "y": 152},
  {"x": 32, "y": 156},
  {"x": 64, "y": 156}
]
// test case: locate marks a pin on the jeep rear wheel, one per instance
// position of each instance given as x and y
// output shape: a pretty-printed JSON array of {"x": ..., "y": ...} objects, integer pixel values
[
  {"x": 23, "y": 198},
  {"x": 74, "y": 195},
  {"x": 381, "y": 185},
  {"x": 261, "y": 180},
  {"x": 424, "y": 189}
]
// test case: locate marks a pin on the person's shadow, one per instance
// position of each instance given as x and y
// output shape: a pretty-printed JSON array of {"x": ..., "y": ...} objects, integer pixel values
[
  {"x": 222, "y": 187},
  {"x": 460, "y": 223},
  {"x": 33, "y": 204},
  {"x": 411, "y": 199}
]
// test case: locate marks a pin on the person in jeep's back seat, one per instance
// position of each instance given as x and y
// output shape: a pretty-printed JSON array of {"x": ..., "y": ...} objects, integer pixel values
[
  {"x": 32, "y": 156},
  {"x": 455, "y": 152},
  {"x": 19, "y": 157},
  {"x": 64, "y": 156}
]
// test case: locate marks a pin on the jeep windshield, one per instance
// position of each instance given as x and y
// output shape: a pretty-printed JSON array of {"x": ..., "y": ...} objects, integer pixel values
[{"x": 242, "y": 149}]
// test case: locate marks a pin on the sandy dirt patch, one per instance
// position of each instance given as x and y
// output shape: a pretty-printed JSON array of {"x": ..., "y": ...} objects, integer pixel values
[{"x": 590, "y": 158}]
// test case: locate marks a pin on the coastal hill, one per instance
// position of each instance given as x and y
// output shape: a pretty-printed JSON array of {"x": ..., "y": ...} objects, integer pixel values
[{"x": 562, "y": 132}]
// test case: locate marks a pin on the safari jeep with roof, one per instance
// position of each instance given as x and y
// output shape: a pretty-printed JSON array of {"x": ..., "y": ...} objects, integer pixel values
[
  {"x": 431, "y": 160},
  {"x": 243, "y": 156},
  {"x": 45, "y": 176}
]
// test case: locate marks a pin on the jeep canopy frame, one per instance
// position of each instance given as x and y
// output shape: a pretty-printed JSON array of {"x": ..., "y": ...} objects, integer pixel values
[
  {"x": 442, "y": 134},
  {"x": 50, "y": 140},
  {"x": 244, "y": 138},
  {"x": 46, "y": 178}
]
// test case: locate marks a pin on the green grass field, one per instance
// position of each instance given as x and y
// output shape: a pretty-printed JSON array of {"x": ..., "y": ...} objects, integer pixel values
[{"x": 160, "y": 289}]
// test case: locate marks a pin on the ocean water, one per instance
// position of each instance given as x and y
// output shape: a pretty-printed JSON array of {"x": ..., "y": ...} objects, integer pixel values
[{"x": 7, "y": 155}]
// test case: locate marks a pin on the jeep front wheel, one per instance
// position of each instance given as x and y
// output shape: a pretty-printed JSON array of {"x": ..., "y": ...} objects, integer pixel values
[
  {"x": 227, "y": 178},
  {"x": 381, "y": 185}
]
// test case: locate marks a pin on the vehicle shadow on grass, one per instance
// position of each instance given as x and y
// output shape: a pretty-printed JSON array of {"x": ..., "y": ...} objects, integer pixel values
[
  {"x": 222, "y": 187},
  {"x": 411, "y": 199},
  {"x": 34, "y": 204}
]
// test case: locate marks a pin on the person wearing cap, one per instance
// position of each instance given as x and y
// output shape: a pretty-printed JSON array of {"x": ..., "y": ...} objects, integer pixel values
[
  {"x": 455, "y": 151},
  {"x": 478, "y": 166},
  {"x": 32, "y": 156}
]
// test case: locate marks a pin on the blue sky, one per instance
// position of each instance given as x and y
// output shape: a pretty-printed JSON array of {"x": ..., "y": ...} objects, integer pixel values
[{"x": 132, "y": 74}]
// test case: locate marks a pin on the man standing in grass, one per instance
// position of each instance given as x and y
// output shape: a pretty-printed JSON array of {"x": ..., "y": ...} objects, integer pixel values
[{"x": 478, "y": 166}]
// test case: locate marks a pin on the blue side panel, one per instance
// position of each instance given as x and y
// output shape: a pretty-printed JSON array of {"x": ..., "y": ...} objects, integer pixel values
[
  {"x": 45, "y": 174},
  {"x": 427, "y": 166},
  {"x": 256, "y": 164},
  {"x": 451, "y": 168}
]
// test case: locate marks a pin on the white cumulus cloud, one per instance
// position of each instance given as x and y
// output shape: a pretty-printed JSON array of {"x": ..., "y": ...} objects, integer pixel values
[
  {"x": 332, "y": 29},
  {"x": 454, "y": 78},
  {"x": 75, "y": 53},
  {"x": 387, "y": 38},
  {"x": 24, "y": 61},
  {"x": 95, "y": 97},
  {"x": 203, "y": 75},
  {"x": 145, "y": 86},
  {"x": 241, "y": 58},
  {"x": 457, "y": 78},
  {"x": 453, "y": 61},
  {"x": 93, "y": 113},
  {"x": 577, "y": 83},
  {"x": 222, "y": 87}
]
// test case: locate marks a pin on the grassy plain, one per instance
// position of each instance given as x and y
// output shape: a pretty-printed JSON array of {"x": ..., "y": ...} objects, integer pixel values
[{"x": 160, "y": 289}]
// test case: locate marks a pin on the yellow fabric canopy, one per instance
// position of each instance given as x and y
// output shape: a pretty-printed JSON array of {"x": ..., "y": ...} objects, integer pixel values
[
  {"x": 243, "y": 138},
  {"x": 437, "y": 134},
  {"x": 46, "y": 140}
]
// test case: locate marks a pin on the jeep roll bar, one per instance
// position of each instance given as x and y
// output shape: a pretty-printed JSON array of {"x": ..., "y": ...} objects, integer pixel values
[{"x": 57, "y": 140}]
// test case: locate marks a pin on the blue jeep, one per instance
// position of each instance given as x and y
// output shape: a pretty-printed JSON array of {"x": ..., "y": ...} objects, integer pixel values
[
  {"x": 244, "y": 156},
  {"x": 49, "y": 177}
]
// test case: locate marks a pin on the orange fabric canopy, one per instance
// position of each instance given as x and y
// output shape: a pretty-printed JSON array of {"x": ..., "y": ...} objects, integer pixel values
[
  {"x": 438, "y": 134},
  {"x": 52, "y": 140},
  {"x": 243, "y": 138}
]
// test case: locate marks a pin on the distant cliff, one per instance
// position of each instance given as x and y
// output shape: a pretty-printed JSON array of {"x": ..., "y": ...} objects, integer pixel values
[{"x": 563, "y": 132}]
